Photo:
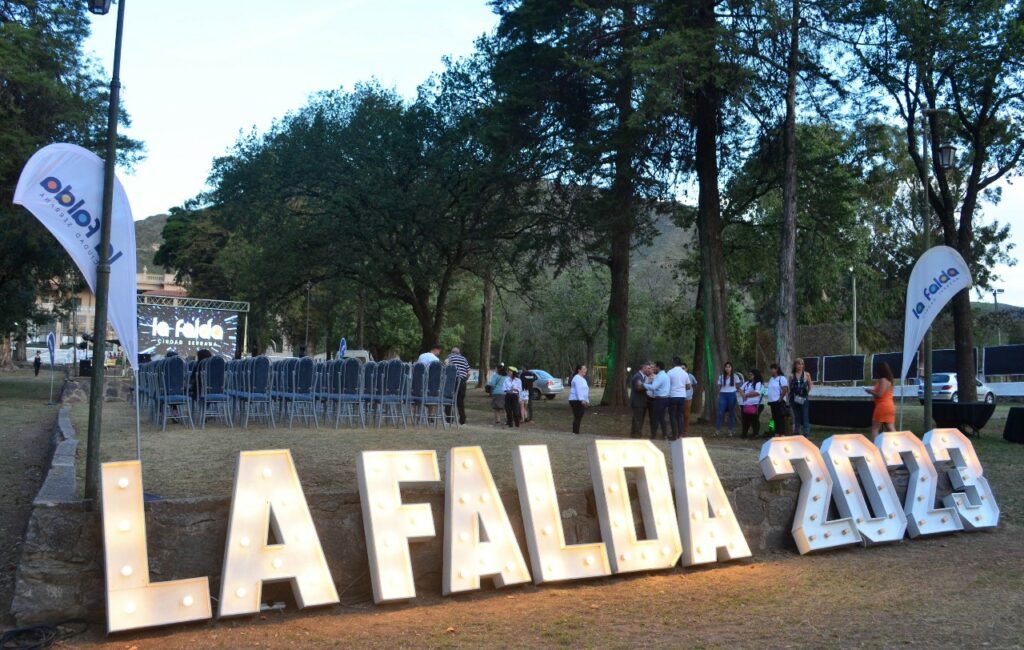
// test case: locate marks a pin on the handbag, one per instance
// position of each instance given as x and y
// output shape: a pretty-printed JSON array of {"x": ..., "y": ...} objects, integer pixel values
[
  {"x": 799, "y": 400},
  {"x": 750, "y": 409}
]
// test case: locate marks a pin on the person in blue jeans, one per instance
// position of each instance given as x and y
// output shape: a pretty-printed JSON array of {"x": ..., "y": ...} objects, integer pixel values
[
  {"x": 728, "y": 383},
  {"x": 679, "y": 381},
  {"x": 658, "y": 387},
  {"x": 800, "y": 386}
]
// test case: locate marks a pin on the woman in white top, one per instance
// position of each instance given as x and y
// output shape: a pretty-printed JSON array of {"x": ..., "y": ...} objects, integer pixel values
[
  {"x": 728, "y": 382},
  {"x": 751, "y": 410},
  {"x": 524, "y": 403},
  {"x": 778, "y": 388},
  {"x": 579, "y": 397}
]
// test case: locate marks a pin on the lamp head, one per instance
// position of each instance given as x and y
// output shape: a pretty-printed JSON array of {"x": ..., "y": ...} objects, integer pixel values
[
  {"x": 99, "y": 7},
  {"x": 947, "y": 153}
]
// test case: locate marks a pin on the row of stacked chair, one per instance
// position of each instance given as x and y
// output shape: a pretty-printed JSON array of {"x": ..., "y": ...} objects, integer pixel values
[{"x": 343, "y": 390}]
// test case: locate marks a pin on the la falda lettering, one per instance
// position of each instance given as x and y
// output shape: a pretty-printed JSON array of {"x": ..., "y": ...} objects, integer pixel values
[
  {"x": 184, "y": 329},
  {"x": 938, "y": 283},
  {"x": 698, "y": 526},
  {"x": 73, "y": 207}
]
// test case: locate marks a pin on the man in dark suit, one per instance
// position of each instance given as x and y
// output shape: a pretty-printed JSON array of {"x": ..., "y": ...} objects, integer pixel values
[{"x": 638, "y": 400}]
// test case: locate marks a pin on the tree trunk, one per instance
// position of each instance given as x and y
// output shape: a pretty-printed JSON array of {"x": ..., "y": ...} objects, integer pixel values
[
  {"x": 5, "y": 354},
  {"x": 618, "y": 318},
  {"x": 785, "y": 329},
  {"x": 963, "y": 338},
  {"x": 21, "y": 353},
  {"x": 709, "y": 218},
  {"x": 486, "y": 312},
  {"x": 360, "y": 320},
  {"x": 588, "y": 358},
  {"x": 622, "y": 219},
  {"x": 963, "y": 318},
  {"x": 699, "y": 357}
]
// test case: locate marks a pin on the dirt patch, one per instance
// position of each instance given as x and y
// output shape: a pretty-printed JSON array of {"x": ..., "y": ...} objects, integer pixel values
[{"x": 959, "y": 591}]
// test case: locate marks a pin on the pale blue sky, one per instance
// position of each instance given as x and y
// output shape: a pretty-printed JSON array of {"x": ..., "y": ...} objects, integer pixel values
[{"x": 197, "y": 72}]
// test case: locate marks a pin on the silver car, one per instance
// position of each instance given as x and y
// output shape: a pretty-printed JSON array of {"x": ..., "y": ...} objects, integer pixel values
[
  {"x": 944, "y": 389},
  {"x": 546, "y": 385}
]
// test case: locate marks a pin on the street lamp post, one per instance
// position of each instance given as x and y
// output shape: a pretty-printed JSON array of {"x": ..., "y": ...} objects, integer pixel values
[
  {"x": 309, "y": 287},
  {"x": 853, "y": 276},
  {"x": 96, "y": 385},
  {"x": 999, "y": 329}
]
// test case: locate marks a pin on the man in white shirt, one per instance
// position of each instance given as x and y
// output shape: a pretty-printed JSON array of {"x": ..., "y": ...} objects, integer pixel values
[
  {"x": 657, "y": 392},
  {"x": 579, "y": 397},
  {"x": 678, "y": 380},
  {"x": 430, "y": 356}
]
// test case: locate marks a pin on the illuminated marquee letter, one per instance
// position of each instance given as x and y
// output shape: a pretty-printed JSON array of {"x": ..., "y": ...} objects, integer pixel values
[
  {"x": 609, "y": 460},
  {"x": 707, "y": 523},
  {"x": 472, "y": 503},
  {"x": 132, "y": 600},
  {"x": 268, "y": 497},
  {"x": 850, "y": 455},
  {"x": 923, "y": 518},
  {"x": 784, "y": 456},
  {"x": 550, "y": 557},
  {"x": 390, "y": 525},
  {"x": 976, "y": 504}
]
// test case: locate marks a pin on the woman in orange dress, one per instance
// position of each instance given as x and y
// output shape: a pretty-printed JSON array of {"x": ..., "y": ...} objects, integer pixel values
[{"x": 884, "y": 417}]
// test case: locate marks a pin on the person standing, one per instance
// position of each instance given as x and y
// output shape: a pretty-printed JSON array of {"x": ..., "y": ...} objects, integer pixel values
[
  {"x": 751, "y": 410},
  {"x": 728, "y": 382},
  {"x": 678, "y": 380},
  {"x": 884, "y": 416},
  {"x": 690, "y": 387},
  {"x": 528, "y": 377},
  {"x": 638, "y": 400},
  {"x": 496, "y": 388},
  {"x": 37, "y": 363},
  {"x": 460, "y": 362},
  {"x": 800, "y": 386},
  {"x": 778, "y": 388},
  {"x": 512, "y": 387},
  {"x": 579, "y": 397},
  {"x": 658, "y": 388},
  {"x": 431, "y": 355}
]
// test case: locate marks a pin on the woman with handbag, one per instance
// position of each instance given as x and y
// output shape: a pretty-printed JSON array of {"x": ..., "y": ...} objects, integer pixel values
[
  {"x": 800, "y": 386},
  {"x": 751, "y": 412}
]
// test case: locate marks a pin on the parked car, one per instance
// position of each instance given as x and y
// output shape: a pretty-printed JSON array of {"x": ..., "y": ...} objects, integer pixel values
[
  {"x": 546, "y": 385},
  {"x": 944, "y": 389}
]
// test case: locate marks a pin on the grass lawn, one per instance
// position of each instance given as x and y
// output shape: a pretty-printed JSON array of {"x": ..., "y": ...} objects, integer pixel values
[{"x": 182, "y": 462}]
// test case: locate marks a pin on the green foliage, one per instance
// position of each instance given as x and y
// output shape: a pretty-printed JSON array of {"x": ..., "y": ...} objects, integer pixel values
[
  {"x": 49, "y": 92},
  {"x": 361, "y": 191}
]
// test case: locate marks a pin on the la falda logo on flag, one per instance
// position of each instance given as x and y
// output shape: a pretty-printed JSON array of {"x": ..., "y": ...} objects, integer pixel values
[
  {"x": 73, "y": 208},
  {"x": 938, "y": 283}
]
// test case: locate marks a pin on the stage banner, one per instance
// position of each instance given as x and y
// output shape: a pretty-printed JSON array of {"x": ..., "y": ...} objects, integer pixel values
[
  {"x": 62, "y": 185},
  {"x": 938, "y": 276}
]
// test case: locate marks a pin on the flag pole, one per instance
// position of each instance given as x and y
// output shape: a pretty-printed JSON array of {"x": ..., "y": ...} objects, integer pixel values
[
  {"x": 97, "y": 387},
  {"x": 138, "y": 429}
]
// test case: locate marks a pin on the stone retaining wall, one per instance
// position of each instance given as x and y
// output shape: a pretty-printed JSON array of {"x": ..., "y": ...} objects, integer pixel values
[
  {"x": 60, "y": 575},
  {"x": 61, "y": 571}
]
